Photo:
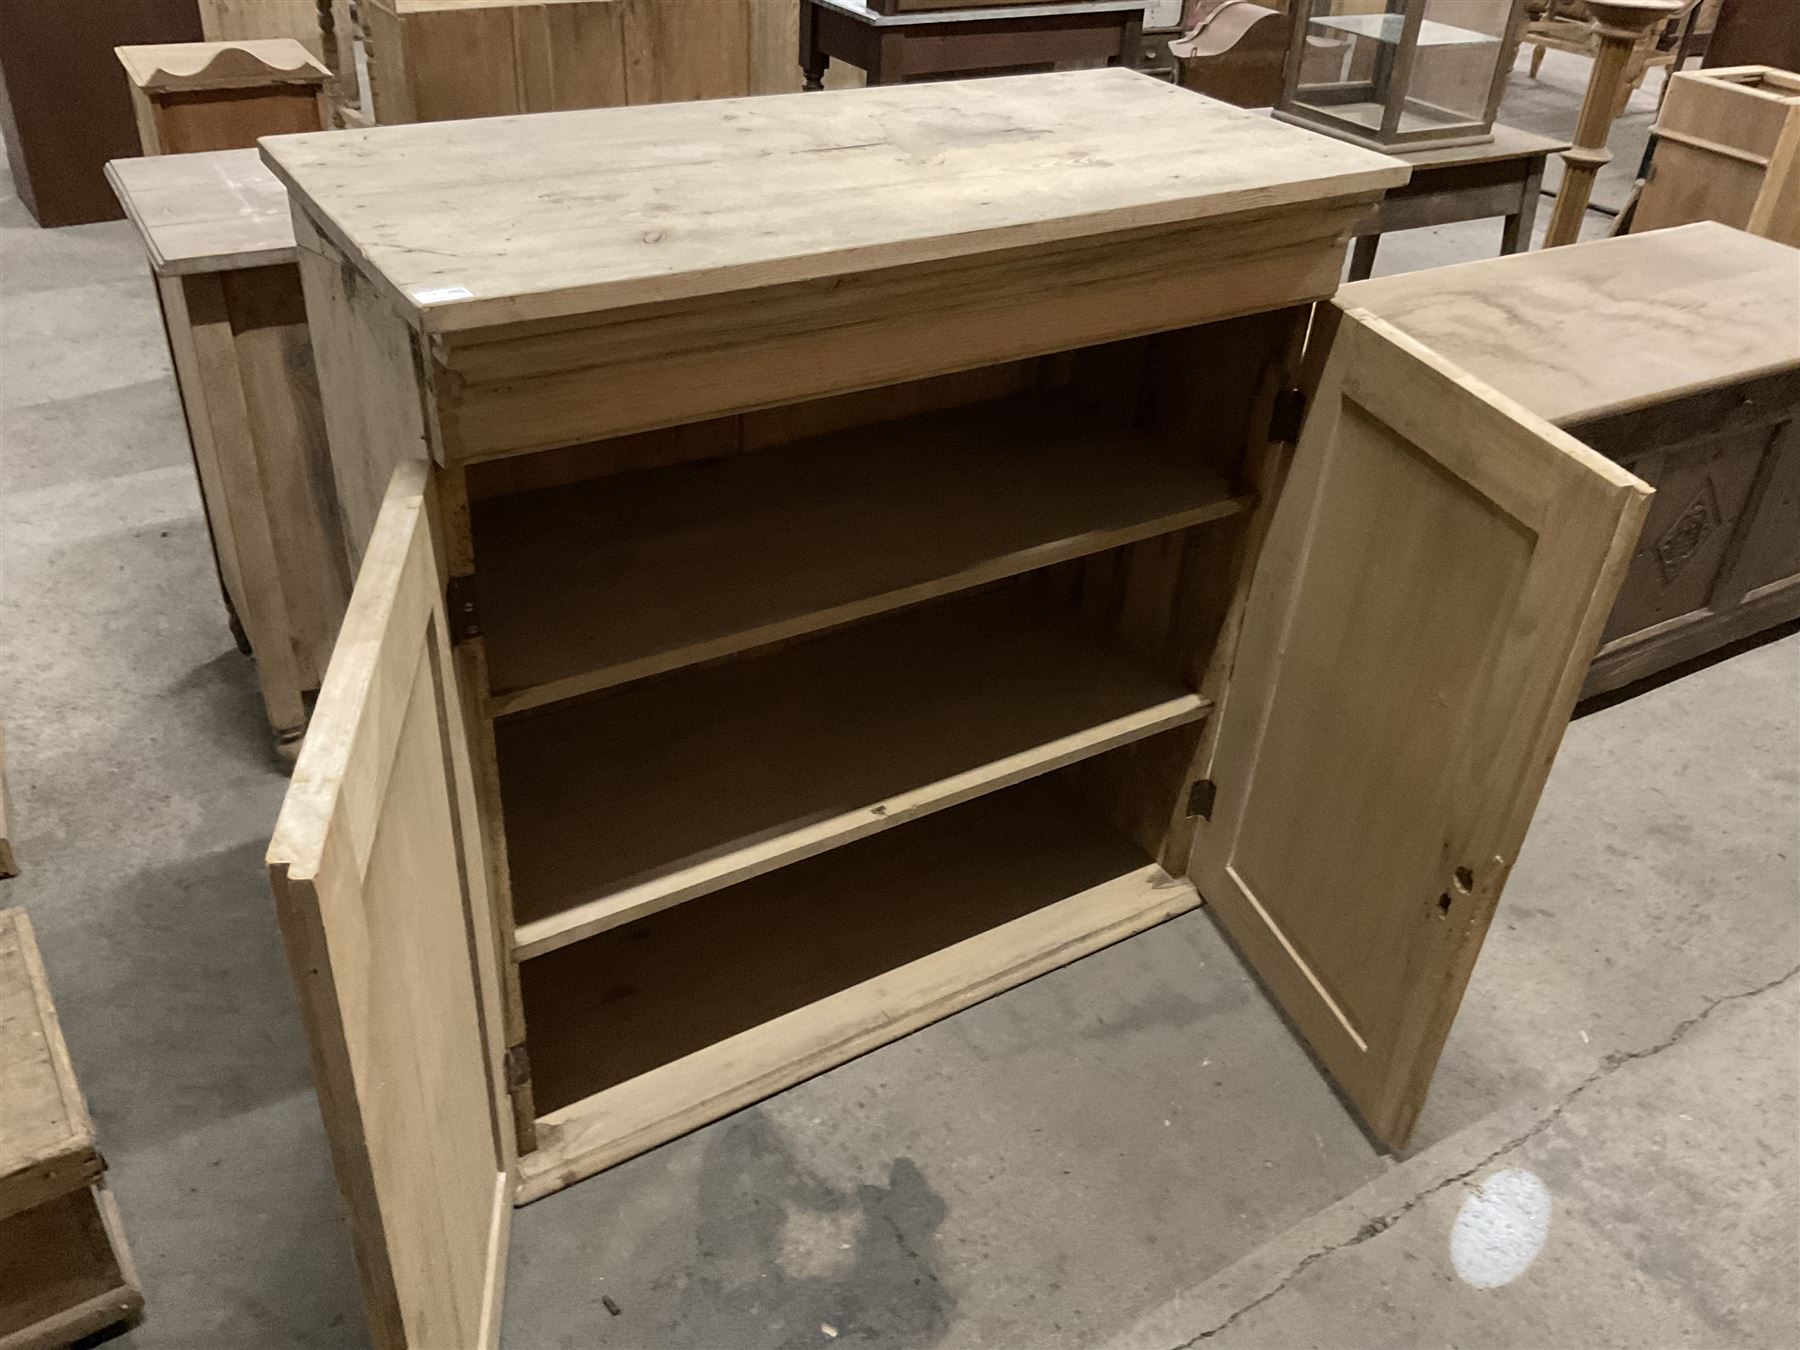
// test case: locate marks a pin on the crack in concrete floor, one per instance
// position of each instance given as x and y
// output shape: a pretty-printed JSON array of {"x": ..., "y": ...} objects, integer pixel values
[{"x": 1376, "y": 1226}]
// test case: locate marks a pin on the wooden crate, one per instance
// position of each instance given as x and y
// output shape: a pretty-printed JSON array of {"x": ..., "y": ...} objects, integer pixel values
[
  {"x": 220, "y": 243},
  {"x": 1705, "y": 407},
  {"x": 65, "y": 1272},
  {"x": 866, "y": 566},
  {"x": 1727, "y": 149}
]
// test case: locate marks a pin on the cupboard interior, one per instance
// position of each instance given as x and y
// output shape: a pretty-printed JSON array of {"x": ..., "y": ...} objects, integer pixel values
[{"x": 897, "y": 685}]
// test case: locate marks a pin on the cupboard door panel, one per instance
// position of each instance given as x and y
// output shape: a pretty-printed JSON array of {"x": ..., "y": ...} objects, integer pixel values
[
  {"x": 1431, "y": 591},
  {"x": 381, "y": 893}
]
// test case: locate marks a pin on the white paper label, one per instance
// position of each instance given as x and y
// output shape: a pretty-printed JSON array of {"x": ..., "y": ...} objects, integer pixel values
[{"x": 443, "y": 293}]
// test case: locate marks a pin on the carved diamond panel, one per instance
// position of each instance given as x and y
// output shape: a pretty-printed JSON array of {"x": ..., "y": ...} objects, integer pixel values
[{"x": 1691, "y": 529}]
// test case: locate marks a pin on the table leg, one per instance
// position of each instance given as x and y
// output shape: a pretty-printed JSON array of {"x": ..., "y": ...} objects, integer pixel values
[
  {"x": 1131, "y": 42},
  {"x": 813, "y": 62},
  {"x": 1515, "y": 234},
  {"x": 1362, "y": 256}
]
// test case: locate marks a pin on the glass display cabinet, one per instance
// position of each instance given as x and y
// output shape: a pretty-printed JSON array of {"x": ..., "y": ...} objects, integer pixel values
[{"x": 1399, "y": 74}]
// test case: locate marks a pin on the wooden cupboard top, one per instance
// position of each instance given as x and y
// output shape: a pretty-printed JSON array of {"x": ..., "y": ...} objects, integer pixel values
[
  {"x": 216, "y": 211},
  {"x": 46, "y": 1139},
  {"x": 514, "y": 219},
  {"x": 1604, "y": 327}
]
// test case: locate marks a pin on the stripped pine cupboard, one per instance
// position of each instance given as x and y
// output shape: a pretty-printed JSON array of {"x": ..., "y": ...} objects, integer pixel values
[{"x": 797, "y": 603}]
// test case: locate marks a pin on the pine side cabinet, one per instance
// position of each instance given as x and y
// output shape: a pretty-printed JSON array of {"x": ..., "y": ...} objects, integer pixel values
[{"x": 826, "y": 559}]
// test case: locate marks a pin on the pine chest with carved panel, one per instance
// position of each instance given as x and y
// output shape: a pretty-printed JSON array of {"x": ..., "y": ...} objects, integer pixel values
[{"x": 1677, "y": 355}]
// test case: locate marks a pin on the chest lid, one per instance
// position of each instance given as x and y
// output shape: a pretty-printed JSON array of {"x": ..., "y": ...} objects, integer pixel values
[
  {"x": 513, "y": 219},
  {"x": 1608, "y": 326}
]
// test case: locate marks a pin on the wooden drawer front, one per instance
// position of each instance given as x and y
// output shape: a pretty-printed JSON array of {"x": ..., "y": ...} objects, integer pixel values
[{"x": 510, "y": 393}]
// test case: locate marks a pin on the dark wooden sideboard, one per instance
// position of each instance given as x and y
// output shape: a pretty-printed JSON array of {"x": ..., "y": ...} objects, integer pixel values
[{"x": 65, "y": 108}]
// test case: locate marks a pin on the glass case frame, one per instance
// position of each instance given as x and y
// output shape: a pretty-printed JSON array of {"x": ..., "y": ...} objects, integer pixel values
[{"x": 1400, "y": 30}]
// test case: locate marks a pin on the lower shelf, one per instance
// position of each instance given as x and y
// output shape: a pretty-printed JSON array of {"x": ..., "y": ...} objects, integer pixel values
[
  {"x": 652, "y": 1029},
  {"x": 661, "y": 792},
  {"x": 65, "y": 1272}
]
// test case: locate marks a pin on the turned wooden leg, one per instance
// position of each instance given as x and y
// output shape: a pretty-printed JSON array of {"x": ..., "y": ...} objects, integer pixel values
[
  {"x": 1620, "y": 24},
  {"x": 1537, "y": 60},
  {"x": 813, "y": 62}
]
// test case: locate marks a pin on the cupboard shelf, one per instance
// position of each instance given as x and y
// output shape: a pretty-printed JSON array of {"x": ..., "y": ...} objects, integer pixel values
[
  {"x": 652, "y": 1028},
  {"x": 589, "y": 586},
  {"x": 623, "y": 804}
]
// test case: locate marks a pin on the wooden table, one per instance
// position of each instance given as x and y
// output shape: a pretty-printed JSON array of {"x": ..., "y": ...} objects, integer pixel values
[
  {"x": 220, "y": 242},
  {"x": 1501, "y": 177},
  {"x": 892, "y": 48}
]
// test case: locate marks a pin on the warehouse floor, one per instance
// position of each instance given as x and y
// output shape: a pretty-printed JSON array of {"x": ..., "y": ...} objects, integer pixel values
[{"x": 1131, "y": 1152}]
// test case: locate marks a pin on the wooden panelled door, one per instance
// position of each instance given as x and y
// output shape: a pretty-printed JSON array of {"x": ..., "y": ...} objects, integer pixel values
[
  {"x": 381, "y": 891},
  {"x": 1430, "y": 593}
]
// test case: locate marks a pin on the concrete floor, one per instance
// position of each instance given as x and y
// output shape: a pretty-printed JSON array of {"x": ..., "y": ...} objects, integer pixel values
[{"x": 1132, "y": 1152}]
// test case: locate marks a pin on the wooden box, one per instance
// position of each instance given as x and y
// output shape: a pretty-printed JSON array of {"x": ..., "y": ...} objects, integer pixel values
[
  {"x": 797, "y": 603},
  {"x": 1727, "y": 149},
  {"x": 220, "y": 242},
  {"x": 195, "y": 96},
  {"x": 65, "y": 1272},
  {"x": 1701, "y": 401}
]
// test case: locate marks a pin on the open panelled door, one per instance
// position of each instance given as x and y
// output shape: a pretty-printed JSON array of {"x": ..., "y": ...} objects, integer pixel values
[
  {"x": 1430, "y": 593},
  {"x": 380, "y": 888}
]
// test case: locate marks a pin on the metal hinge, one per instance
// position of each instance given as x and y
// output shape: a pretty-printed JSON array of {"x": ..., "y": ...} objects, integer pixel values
[
  {"x": 1201, "y": 797},
  {"x": 1286, "y": 416},
  {"x": 518, "y": 1068},
  {"x": 459, "y": 606}
]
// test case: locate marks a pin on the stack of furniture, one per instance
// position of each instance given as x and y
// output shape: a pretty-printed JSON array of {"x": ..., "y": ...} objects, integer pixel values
[
  {"x": 220, "y": 243},
  {"x": 191, "y": 97},
  {"x": 796, "y": 603},
  {"x": 1727, "y": 149},
  {"x": 65, "y": 1272}
]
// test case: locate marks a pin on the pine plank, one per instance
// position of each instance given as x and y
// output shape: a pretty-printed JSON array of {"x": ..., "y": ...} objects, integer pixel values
[
  {"x": 654, "y": 1029},
  {"x": 588, "y": 586},
  {"x": 625, "y": 804},
  {"x": 46, "y": 1138}
]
